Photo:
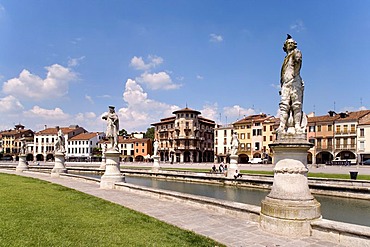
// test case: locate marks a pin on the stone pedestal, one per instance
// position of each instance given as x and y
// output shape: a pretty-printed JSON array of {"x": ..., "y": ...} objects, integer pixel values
[
  {"x": 112, "y": 172},
  {"x": 156, "y": 166},
  {"x": 233, "y": 167},
  {"x": 22, "y": 164},
  {"x": 59, "y": 166},
  {"x": 103, "y": 163},
  {"x": 290, "y": 207}
]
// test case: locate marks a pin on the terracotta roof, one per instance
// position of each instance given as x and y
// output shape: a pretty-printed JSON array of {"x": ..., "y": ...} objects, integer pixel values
[
  {"x": 85, "y": 136},
  {"x": 206, "y": 120},
  {"x": 14, "y": 132},
  {"x": 325, "y": 118},
  {"x": 53, "y": 131},
  {"x": 255, "y": 118},
  {"x": 186, "y": 109},
  {"x": 165, "y": 120}
]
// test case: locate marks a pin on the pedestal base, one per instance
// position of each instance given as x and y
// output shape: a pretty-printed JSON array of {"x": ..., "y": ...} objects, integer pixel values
[
  {"x": 232, "y": 169},
  {"x": 112, "y": 172},
  {"x": 290, "y": 207},
  {"x": 156, "y": 167},
  {"x": 59, "y": 166},
  {"x": 103, "y": 163},
  {"x": 22, "y": 164}
]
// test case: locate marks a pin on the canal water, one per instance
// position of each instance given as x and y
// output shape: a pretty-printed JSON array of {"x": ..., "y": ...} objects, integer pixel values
[{"x": 347, "y": 210}]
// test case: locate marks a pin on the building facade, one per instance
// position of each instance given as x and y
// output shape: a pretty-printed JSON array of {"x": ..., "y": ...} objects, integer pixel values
[
  {"x": 44, "y": 141},
  {"x": 222, "y": 142},
  {"x": 81, "y": 147},
  {"x": 255, "y": 133},
  {"x": 185, "y": 137},
  {"x": 11, "y": 142}
]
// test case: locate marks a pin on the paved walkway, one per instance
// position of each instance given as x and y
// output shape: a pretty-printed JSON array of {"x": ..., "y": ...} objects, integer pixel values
[{"x": 225, "y": 229}]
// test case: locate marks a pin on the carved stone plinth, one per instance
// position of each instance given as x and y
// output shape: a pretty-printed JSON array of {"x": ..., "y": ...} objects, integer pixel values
[
  {"x": 112, "y": 172},
  {"x": 156, "y": 167},
  {"x": 290, "y": 207},
  {"x": 59, "y": 166},
  {"x": 103, "y": 163},
  {"x": 22, "y": 164},
  {"x": 233, "y": 167}
]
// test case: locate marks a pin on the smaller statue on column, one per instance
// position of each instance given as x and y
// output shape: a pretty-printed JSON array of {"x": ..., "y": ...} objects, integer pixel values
[
  {"x": 59, "y": 145},
  {"x": 112, "y": 127},
  {"x": 234, "y": 144}
]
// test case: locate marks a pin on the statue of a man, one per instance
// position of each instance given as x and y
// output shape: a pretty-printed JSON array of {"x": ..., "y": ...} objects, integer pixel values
[
  {"x": 234, "y": 144},
  {"x": 23, "y": 145},
  {"x": 112, "y": 127},
  {"x": 155, "y": 146},
  {"x": 292, "y": 87},
  {"x": 59, "y": 145}
]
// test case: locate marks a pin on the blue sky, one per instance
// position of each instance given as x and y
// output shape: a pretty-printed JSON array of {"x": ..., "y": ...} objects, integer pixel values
[{"x": 65, "y": 62}]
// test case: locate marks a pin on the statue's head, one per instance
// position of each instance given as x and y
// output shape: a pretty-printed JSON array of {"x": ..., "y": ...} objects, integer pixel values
[
  {"x": 111, "y": 109},
  {"x": 289, "y": 44}
]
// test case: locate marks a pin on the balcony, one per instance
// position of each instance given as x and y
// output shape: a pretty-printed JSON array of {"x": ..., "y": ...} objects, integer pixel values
[{"x": 345, "y": 147}]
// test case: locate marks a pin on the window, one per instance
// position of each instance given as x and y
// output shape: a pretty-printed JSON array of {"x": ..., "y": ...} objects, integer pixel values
[
  {"x": 225, "y": 132},
  {"x": 257, "y": 146},
  {"x": 242, "y": 136},
  {"x": 264, "y": 128},
  {"x": 137, "y": 150},
  {"x": 353, "y": 128},
  {"x": 330, "y": 127},
  {"x": 337, "y": 129},
  {"x": 264, "y": 138},
  {"x": 318, "y": 128},
  {"x": 142, "y": 144},
  {"x": 270, "y": 138},
  {"x": 142, "y": 150},
  {"x": 257, "y": 132},
  {"x": 311, "y": 129},
  {"x": 345, "y": 128},
  {"x": 362, "y": 145},
  {"x": 362, "y": 132},
  {"x": 248, "y": 135}
]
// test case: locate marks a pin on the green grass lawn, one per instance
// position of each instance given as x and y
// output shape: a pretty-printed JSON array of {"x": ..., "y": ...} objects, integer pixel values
[{"x": 38, "y": 213}]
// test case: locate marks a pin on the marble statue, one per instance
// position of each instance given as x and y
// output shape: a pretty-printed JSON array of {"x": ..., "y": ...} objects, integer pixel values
[
  {"x": 234, "y": 144},
  {"x": 23, "y": 146},
  {"x": 59, "y": 145},
  {"x": 155, "y": 145},
  {"x": 292, "y": 86},
  {"x": 112, "y": 127}
]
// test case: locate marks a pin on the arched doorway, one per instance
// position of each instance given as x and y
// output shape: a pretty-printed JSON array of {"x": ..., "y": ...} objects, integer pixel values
[
  {"x": 139, "y": 158},
  {"x": 49, "y": 157},
  {"x": 39, "y": 157},
  {"x": 29, "y": 157},
  {"x": 186, "y": 156},
  {"x": 324, "y": 157},
  {"x": 346, "y": 155},
  {"x": 257, "y": 155},
  {"x": 243, "y": 159},
  {"x": 309, "y": 158}
]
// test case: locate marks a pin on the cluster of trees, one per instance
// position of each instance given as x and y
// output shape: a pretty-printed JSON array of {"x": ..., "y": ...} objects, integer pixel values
[{"x": 148, "y": 134}]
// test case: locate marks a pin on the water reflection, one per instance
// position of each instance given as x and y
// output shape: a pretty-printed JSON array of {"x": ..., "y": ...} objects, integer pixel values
[{"x": 332, "y": 208}]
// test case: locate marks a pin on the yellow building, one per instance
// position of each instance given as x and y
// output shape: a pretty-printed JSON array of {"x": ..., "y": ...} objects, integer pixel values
[{"x": 255, "y": 133}]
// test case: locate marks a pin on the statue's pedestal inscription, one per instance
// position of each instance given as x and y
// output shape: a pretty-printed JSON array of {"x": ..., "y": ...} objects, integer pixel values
[
  {"x": 22, "y": 164},
  {"x": 290, "y": 207},
  {"x": 112, "y": 172},
  {"x": 232, "y": 170},
  {"x": 156, "y": 167},
  {"x": 59, "y": 166}
]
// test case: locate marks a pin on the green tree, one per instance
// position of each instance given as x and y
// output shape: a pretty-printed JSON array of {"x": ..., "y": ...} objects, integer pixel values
[
  {"x": 149, "y": 133},
  {"x": 122, "y": 132}
]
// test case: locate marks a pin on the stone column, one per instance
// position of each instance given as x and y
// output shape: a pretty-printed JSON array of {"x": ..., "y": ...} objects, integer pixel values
[
  {"x": 59, "y": 166},
  {"x": 290, "y": 207},
  {"x": 22, "y": 164},
  {"x": 233, "y": 167},
  {"x": 112, "y": 172},
  {"x": 156, "y": 166}
]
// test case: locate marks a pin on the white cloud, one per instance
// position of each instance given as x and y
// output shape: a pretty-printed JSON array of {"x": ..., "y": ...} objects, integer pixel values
[
  {"x": 41, "y": 113},
  {"x": 298, "y": 26},
  {"x": 141, "y": 111},
  {"x": 215, "y": 38},
  {"x": 10, "y": 104},
  {"x": 156, "y": 81},
  {"x": 73, "y": 62},
  {"x": 89, "y": 98},
  {"x": 32, "y": 87},
  {"x": 199, "y": 77},
  {"x": 236, "y": 112},
  {"x": 210, "y": 111},
  {"x": 139, "y": 64}
]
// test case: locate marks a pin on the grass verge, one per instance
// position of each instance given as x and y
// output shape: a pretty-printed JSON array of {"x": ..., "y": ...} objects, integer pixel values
[{"x": 38, "y": 213}]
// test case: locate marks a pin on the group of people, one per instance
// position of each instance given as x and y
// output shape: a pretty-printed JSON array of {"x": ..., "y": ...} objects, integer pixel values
[{"x": 221, "y": 168}]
